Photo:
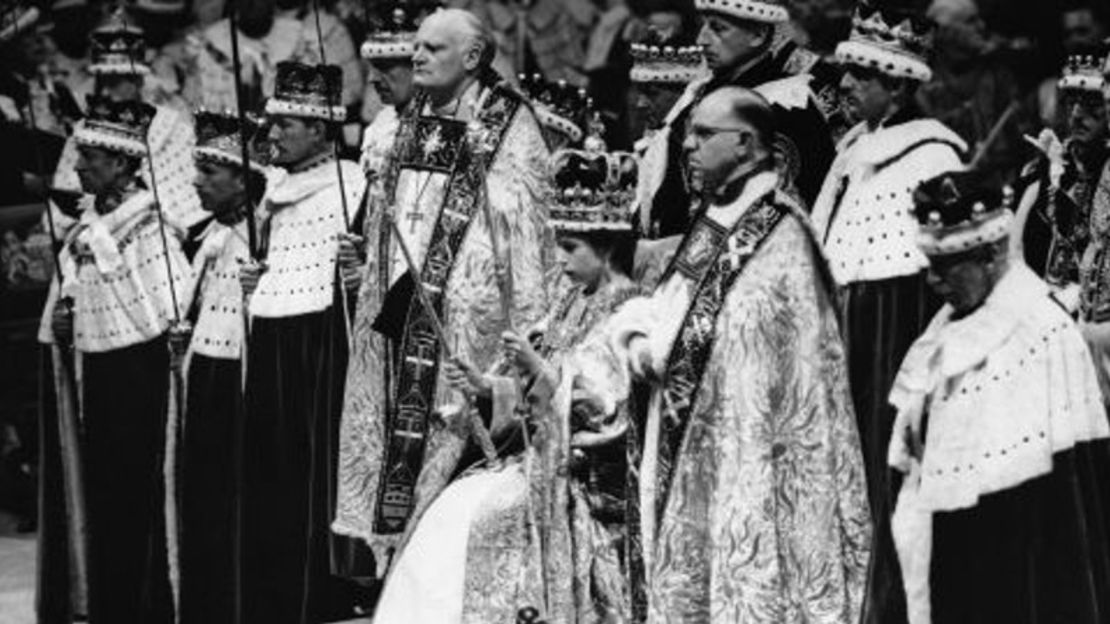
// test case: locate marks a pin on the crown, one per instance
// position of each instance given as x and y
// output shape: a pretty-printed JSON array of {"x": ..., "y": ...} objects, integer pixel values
[
  {"x": 219, "y": 139},
  {"x": 1083, "y": 73},
  {"x": 593, "y": 189},
  {"x": 308, "y": 91},
  {"x": 958, "y": 211},
  {"x": 767, "y": 11},
  {"x": 118, "y": 47},
  {"x": 659, "y": 63},
  {"x": 560, "y": 107},
  {"x": 116, "y": 126},
  {"x": 898, "y": 46},
  {"x": 397, "y": 30}
]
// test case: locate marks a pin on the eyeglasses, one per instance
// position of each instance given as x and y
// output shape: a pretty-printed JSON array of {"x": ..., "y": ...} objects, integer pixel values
[{"x": 701, "y": 134}]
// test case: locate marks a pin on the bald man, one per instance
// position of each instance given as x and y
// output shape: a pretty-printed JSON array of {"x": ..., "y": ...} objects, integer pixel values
[
  {"x": 752, "y": 498},
  {"x": 466, "y": 138}
]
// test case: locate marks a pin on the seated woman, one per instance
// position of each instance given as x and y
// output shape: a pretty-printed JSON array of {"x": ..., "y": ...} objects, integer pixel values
[{"x": 542, "y": 528}]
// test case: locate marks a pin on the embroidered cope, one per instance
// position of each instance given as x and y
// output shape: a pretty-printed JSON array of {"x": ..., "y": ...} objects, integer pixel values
[
  {"x": 765, "y": 516},
  {"x": 471, "y": 313}
]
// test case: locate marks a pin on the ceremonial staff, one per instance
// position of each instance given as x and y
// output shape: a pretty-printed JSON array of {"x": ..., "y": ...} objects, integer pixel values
[
  {"x": 69, "y": 426},
  {"x": 237, "y": 69},
  {"x": 331, "y": 119},
  {"x": 478, "y": 430},
  {"x": 482, "y": 143},
  {"x": 338, "y": 165},
  {"x": 178, "y": 342}
]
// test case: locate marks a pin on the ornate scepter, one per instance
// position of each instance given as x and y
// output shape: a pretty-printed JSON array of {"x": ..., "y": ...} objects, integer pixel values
[
  {"x": 484, "y": 145},
  {"x": 478, "y": 430}
]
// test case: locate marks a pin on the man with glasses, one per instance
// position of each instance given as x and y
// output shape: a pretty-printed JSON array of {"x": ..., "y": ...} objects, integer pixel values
[
  {"x": 743, "y": 45},
  {"x": 864, "y": 218},
  {"x": 751, "y": 492}
]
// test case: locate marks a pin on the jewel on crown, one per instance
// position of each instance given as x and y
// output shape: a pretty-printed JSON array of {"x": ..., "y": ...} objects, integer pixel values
[
  {"x": 593, "y": 188},
  {"x": 561, "y": 98},
  {"x": 649, "y": 53},
  {"x": 1083, "y": 65},
  {"x": 904, "y": 35}
]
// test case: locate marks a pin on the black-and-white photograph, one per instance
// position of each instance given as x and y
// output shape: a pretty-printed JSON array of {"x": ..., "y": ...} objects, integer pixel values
[{"x": 554, "y": 311}]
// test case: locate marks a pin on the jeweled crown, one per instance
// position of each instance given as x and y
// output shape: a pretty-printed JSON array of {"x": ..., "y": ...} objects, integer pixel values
[
  {"x": 660, "y": 62},
  {"x": 116, "y": 126},
  {"x": 397, "y": 25},
  {"x": 959, "y": 211},
  {"x": 1083, "y": 72},
  {"x": 904, "y": 35},
  {"x": 559, "y": 106},
  {"x": 894, "y": 43},
  {"x": 593, "y": 189},
  {"x": 308, "y": 91},
  {"x": 219, "y": 139},
  {"x": 118, "y": 46}
]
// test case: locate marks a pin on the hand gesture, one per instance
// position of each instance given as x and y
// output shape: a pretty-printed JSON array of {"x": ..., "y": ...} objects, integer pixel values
[
  {"x": 466, "y": 379},
  {"x": 520, "y": 352},
  {"x": 1049, "y": 144},
  {"x": 639, "y": 356},
  {"x": 351, "y": 258},
  {"x": 250, "y": 272},
  {"x": 352, "y": 250}
]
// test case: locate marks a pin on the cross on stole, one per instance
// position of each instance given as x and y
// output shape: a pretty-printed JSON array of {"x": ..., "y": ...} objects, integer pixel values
[{"x": 413, "y": 216}]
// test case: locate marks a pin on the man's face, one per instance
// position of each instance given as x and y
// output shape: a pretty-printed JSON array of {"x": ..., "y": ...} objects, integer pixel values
[
  {"x": 441, "y": 57},
  {"x": 730, "y": 42},
  {"x": 294, "y": 140},
  {"x": 864, "y": 96},
  {"x": 219, "y": 187},
  {"x": 962, "y": 280},
  {"x": 961, "y": 31},
  {"x": 1086, "y": 116},
  {"x": 649, "y": 104},
  {"x": 120, "y": 87},
  {"x": 99, "y": 170},
  {"x": 1081, "y": 31},
  {"x": 392, "y": 80},
  {"x": 716, "y": 142}
]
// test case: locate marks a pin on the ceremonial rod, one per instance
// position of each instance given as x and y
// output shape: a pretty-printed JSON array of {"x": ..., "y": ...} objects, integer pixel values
[
  {"x": 157, "y": 202},
  {"x": 177, "y": 343},
  {"x": 237, "y": 68},
  {"x": 331, "y": 117},
  {"x": 478, "y": 429}
]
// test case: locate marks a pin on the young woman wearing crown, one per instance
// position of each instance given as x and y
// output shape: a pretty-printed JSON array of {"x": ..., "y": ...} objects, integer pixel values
[{"x": 540, "y": 530}]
